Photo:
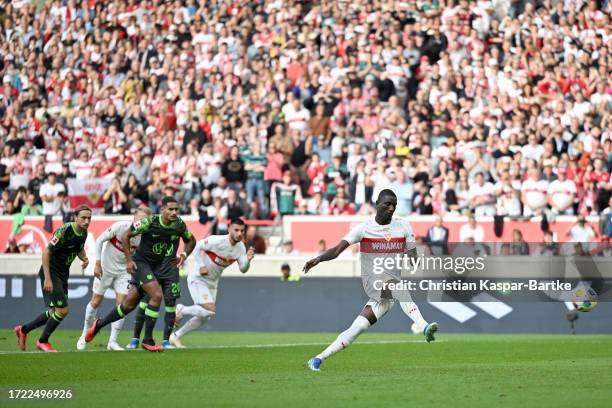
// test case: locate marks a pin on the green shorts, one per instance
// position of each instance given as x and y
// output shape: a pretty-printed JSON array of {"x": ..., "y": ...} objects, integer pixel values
[
  {"x": 143, "y": 274},
  {"x": 169, "y": 279},
  {"x": 166, "y": 274},
  {"x": 59, "y": 296}
]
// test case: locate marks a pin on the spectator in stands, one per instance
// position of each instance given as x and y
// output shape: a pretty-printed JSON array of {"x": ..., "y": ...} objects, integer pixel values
[
  {"x": 255, "y": 165},
  {"x": 606, "y": 221},
  {"x": 549, "y": 247},
  {"x": 233, "y": 169},
  {"x": 519, "y": 246},
  {"x": 49, "y": 194},
  {"x": 253, "y": 239},
  {"x": 115, "y": 199},
  {"x": 561, "y": 194},
  {"x": 322, "y": 246},
  {"x": 422, "y": 202},
  {"x": 582, "y": 232},
  {"x": 284, "y": 195},
  {"x": 11, "y": 247},
  {"x": 437, "y": 237},
  {"x": 461, "y": 83},
  {"x": 482, "y": 196},
  {"x": 471, "y": 230},
  {"x": 140, "y": 167},
  {"x": 236, "y": 206},
  {"x": 31, "y": 207},
  {"x": 288, "y": 248},
  {"x": 403, "y": 190},
  {"x": 135, "y": 193},
  {"x": 286, "y": 274},
  {"x": 533, "y": 193}
]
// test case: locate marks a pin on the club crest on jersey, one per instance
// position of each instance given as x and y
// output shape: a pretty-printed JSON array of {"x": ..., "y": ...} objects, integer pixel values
[{"x": 93, "y": 197}]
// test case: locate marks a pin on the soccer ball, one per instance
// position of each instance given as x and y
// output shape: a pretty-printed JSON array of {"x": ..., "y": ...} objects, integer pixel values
[{"x": 584, "y": 299}]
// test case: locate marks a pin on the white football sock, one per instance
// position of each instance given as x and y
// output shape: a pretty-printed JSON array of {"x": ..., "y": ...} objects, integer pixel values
[
  {"x": 192, "y": 324},
  {"x": 197, "y": 310},
  {"x": 115, "y": 329},
  {"x": 90, "y": 315},
  {"x": 344, "y": 339},
  {"x": 413, "y": 312}
]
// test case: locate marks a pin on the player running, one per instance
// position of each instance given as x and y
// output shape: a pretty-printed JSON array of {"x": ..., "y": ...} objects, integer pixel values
[
  {"x": 213, "y": 254},
  {"x": 111, "y": 272},
  {"x": 67, "y": 243},
  {"x": 370, "y": 235},
  {"x": 153, "y": 267}
]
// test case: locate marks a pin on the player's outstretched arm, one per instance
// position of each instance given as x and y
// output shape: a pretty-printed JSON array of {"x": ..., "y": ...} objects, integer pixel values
[
  {"x": 190, "y": 244},
  {"x": 331, "y": 253}
]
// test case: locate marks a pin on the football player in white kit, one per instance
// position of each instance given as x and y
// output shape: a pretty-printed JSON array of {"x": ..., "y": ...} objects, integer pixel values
[
  {"x": 111, "y": 272},
  {"x": 212, "y": 255},
  {"x": 380, "y": 235}
]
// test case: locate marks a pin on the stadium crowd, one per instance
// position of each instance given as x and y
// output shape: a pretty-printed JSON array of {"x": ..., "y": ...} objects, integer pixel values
[{"x": 265, "y": 108}]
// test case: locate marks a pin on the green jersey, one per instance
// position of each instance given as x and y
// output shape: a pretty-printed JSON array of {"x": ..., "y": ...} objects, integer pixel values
[
  {"x": 255, "y": 159},
  {"x": 64, "y": 247},
  {"x": 158, "y": 241}
]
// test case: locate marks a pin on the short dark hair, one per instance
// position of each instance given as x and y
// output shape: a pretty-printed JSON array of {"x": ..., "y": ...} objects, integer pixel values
[
  {"x": 384, "y": 193},
  {"x": 237, "y": 221},
  {"x": 80, "y": 208},
  {"x": 168, "y": 200}
]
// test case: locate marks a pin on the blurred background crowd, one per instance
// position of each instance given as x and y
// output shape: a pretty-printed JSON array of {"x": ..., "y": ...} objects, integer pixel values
[{"x": 263, "y": 108}]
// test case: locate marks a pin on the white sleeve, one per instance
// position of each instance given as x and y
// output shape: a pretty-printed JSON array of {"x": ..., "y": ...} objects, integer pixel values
[
  {"x": 108, "y": 234},
  {"x": 355, "y": 235},
  {"x": 243, "y": 261}
]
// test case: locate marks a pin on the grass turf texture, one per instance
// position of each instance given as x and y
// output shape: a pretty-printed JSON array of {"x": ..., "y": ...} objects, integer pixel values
[{"x": 268, "y": 369}]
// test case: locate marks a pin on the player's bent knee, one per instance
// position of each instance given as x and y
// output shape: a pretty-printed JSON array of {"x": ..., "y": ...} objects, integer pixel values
[
  {"x": 368, "y": 313},
  {"x": 209, "y": 307},
  {"x": 62, "y": 311},
  {"x": 127, "y": 307},
  {"x": 155, "y": 299},
  {"x": 130, "y": 302}
]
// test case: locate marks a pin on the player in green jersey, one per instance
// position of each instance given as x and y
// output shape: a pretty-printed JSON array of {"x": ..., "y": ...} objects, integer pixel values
[
  {"x": 67, "y": 243},
  {"x": 154, "y": 269}
]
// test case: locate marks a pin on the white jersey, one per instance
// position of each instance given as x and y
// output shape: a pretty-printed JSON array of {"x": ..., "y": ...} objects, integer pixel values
[
  {"x": 562, "y": 193},
  {"x": 397, "y": 236},
  {"x": 112, "y": 257},
  {"x": 376, "y": 240},
  {"x": 217, "y": 253}
]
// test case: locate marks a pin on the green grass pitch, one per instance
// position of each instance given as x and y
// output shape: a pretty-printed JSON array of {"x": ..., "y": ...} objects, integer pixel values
[{"x": 268, "y": 369}]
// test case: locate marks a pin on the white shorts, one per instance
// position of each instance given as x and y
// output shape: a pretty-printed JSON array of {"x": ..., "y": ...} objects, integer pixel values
[
  {"x": 119, "y": 282},
  {"x": 381, "y": 307},
  {"x": 202, "y": 290}
]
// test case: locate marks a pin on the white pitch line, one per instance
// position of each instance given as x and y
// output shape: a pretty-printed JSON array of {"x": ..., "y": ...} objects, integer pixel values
[{"x": 272, "y": 345}]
